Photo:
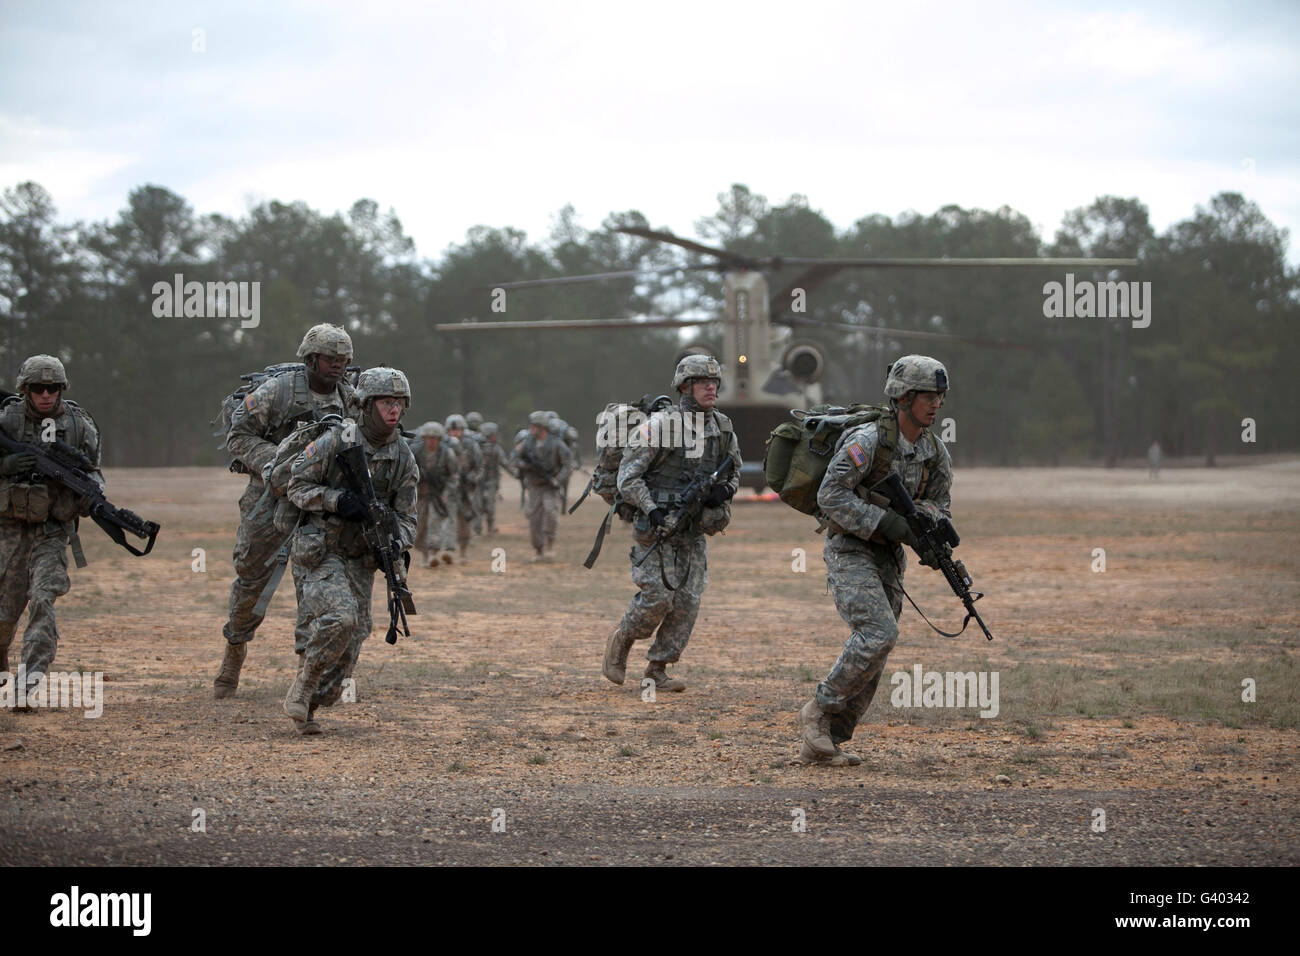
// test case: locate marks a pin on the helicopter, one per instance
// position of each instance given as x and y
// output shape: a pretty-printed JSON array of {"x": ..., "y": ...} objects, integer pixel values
[{"x": 768, "y": 372}]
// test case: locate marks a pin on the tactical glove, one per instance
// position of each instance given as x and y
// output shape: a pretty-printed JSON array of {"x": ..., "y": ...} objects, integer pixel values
[
  {"x": 17, "y": 464},
  {"x": 719, "y": 495},
  {"x": 351, "y": 507},
  {"x": 894, "y": 529},
  {"x": 657, "y": 518}
]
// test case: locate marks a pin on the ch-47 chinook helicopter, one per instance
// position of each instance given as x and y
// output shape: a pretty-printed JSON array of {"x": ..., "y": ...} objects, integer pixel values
[{"x": 767, "y": 372}]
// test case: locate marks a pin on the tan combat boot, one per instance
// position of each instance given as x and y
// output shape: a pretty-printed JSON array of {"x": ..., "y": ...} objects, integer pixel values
[
  {"x": 817, "y": 729},
  {"x": 297, "y": 703},
  {"x": 309, "y": 727},
  {"x": 228, "y": 678},
  {"x": 655, "y": 671},
  {"x": 616, "y": 651},
  {"x": 841, "y": 758}
]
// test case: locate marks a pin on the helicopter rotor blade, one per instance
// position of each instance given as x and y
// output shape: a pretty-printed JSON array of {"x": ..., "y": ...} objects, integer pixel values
[
  {"x": 545, "y": 325},
  {"x": 907, "y": 333},
  {"x": 722, "y": 255},
  {"x": 597, "y": 277}
]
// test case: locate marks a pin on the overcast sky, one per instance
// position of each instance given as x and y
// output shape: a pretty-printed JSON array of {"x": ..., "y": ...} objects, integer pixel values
[{"x": 499, "y": 113}]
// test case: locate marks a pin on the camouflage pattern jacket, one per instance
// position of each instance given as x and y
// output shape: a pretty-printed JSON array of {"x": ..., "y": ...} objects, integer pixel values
[
  {"x": 539, "y": 464},
  {"x": 842, "y": 498},
  {"x": 652, "y": 477},
  {"x": 317, "y": 485},
  {"x": 439, "y": 471},
  {"x": 35, "y": 501},
  {"x": 273, "y": 410}
]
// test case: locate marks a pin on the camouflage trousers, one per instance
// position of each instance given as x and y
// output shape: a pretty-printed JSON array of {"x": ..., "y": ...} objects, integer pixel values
[
  {"x": 542, "y": 506},
  {"x": 466, "y": 513},
  {"x": 654, "y": 605},
  {"x": 867, "y": 584},
  {"x": 490, "y": 492},
  {"x": 336, "y": 604},
  {"x": 476, "y": 522},
  {"x": 433, "y": 532},
  {"x": 256, "y": 542},
  {"x": 33, "y": 570}
]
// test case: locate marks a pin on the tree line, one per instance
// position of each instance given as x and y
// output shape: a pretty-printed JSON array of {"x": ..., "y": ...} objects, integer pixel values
[{"x": 1028, "y": 387}]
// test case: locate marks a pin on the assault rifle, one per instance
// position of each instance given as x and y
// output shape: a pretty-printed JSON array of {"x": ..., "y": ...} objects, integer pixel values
[
  {"x": 689, "y": 506},
  {"x": 69, "y": 467},
  {"x": 936, "y": 540},
  {"x": 527, "y": 463},
  {"x": 380, "y": 528}
]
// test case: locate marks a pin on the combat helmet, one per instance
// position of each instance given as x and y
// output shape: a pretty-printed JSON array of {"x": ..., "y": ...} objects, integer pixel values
[
  {"x": 431, "y": 430},
  {"x": 473, "y": 421},
  {"x": 916, "y": 373},
  {"x": 455, "y": 421},
  {"x": 557, "y": 426},
  {"x": 697, "y": 366},
  {"x": 489, "y": 429},
  {"x": 383, "y": 381},
  {"x": 539, "y": 418},
  {"x": 41, "y": 370},
  {"x": 325, "y": 340}
]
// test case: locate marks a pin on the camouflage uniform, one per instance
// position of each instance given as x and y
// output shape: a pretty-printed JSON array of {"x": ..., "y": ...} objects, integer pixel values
[
  {"x": 650, "y": 478},
  {"x": 543, "y": 468},
  {"x": 435, "y": 534},
  {"x": 865, "y": 570},
  {"x": 473, "y": 425},
  {"x": 469, "y": 462},
  {"x": 332, "y": 563},
  {"x": 493, "y": 458},
  {"x": 269, "y": 414},
  {"x": 38, "y": 519}
]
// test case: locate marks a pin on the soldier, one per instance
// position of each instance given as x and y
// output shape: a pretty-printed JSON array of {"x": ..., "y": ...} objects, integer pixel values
[
  {"x": 543, "y": 464},
  {"x": 508, "y": 465},
  {"x": 332, "y": 562},
  {"x": 473, "y": 429},
  {"x": 469, "y": 459},
  {"x": 435, "y": 535},
  {"x": 652, "y": 474},
  {"x": 38, "y": 519},
  {"x": 864, "y": 558},
  {"x": 493, "y": 458},
  {"x": 269, "y": 413}
]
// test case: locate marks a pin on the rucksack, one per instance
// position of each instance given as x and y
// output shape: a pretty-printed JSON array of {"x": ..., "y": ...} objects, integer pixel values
[
  {"x": 230, "y": 404},
  {"x": 795, "y": 461},
  {"x": 253, "y": 380},
  {"x": 276, "y": 493},
  {"x": 611, "y": 439}
]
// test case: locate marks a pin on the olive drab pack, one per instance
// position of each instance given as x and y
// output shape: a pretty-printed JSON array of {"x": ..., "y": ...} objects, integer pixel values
[
  {"x": 276, "y": 493},
  {"x": 799, "y": 451},
  {"x": 612, "y": 430}
]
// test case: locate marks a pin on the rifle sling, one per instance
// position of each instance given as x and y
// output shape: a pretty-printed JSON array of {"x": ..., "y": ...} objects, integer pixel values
[
  {"x": 117, "y": 534},
  {"x": 600, "y": 535},
  {"x": 585, "y": 491}
]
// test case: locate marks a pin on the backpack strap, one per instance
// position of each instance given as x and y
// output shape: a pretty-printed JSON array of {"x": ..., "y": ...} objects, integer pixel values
[{"x": 886, "y": 445}]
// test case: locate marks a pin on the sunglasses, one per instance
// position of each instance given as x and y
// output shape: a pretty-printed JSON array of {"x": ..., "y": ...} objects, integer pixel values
[{"x": 45, "y": 389}]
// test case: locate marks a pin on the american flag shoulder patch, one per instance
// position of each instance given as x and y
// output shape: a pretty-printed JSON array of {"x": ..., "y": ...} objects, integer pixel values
[
  {"x": 310, "y": 449},
  {"x": 857, "y": 453},
  {"x": 248, "y": 401}
]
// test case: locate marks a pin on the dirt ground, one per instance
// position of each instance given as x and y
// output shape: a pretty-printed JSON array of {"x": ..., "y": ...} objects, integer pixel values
[{"x": 1120, "y": 693}]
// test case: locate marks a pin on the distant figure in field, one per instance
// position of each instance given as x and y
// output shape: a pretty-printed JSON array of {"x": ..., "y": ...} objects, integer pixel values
[{"x": 1153, "y": 460}]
